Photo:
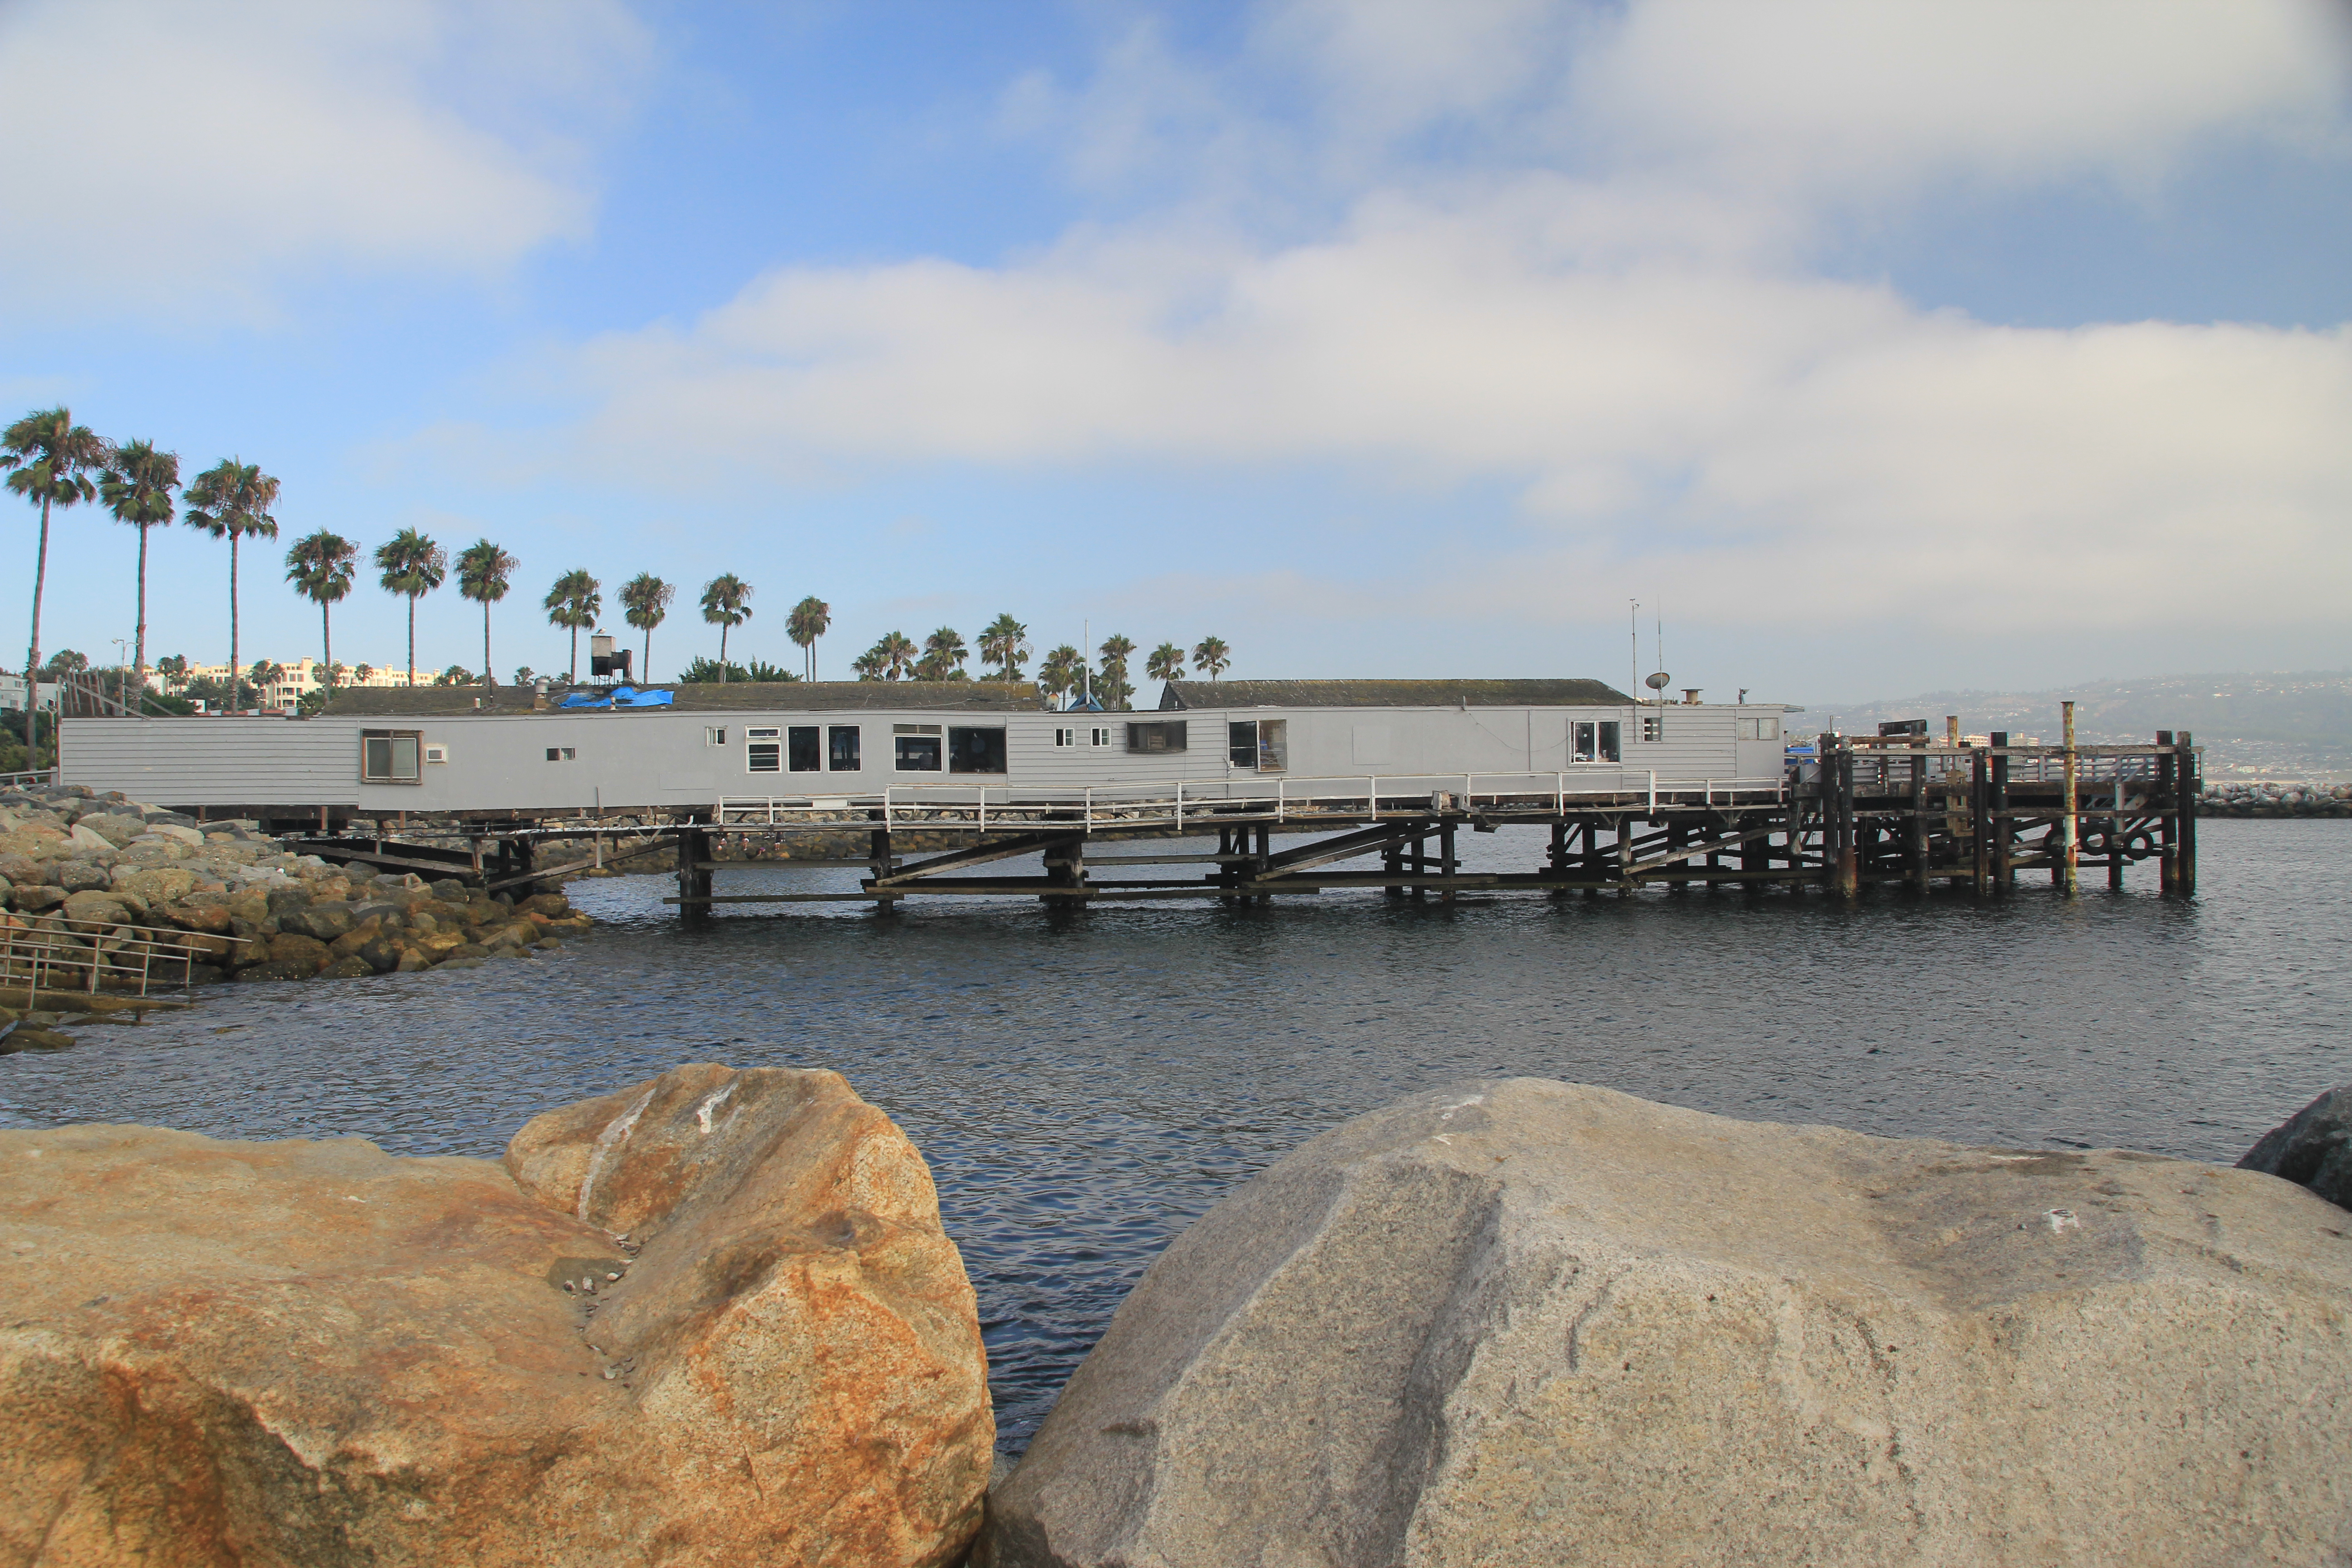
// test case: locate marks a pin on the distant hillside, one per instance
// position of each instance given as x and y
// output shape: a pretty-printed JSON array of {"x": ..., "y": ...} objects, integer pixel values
[{"x": 2269, "y": 725}]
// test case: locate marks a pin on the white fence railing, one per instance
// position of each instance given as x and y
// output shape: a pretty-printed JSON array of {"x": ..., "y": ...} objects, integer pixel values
[{"x": 1174, "y": 802}]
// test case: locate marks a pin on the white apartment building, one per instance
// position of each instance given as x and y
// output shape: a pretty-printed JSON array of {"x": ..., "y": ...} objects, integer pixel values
[{"x": 305, "y": 676}]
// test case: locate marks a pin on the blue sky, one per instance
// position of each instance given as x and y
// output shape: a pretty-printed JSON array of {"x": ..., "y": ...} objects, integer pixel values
[{"x": 1885, "y": 347}]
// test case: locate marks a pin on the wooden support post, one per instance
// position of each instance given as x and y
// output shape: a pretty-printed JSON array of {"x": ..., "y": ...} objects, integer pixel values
[
  {"x": 1555, "y": 863},
  {"x": 1448, "y": 864},
  {"x": 1980, "y": 825},
  {"x": 1755, "y": 854},
  {"x": 885, "y": 860},
  {"x": 2004, "y": 874},
  {"x": 1795, "y": 831},
  {"x": 1419, "y": 860},
  {"x": 2115, "y": 839},
  {"x": 2184, "y": 874},
  {"x": 1848, "y": 882},
  {"x": 1264, "y": 855},
  {"x": 1392, "y": 862},
  {"x": 2167, "y": 802},
  {"x": 693, "y": 881},
  {"x": 2069, "y": 870},
  {"x": 1624, "y": 856},
  {"x": 1914, "y": 838}
]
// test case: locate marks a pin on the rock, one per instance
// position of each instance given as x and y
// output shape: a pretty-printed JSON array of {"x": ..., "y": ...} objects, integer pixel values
[
  {"x": 276, "y": 969},
  {"x": 353, "y": 967},
  {"x": 449, "y": 890},
  {"x": 382, "y": 953},
  {"x": 78, "y": 838},
  {"x": 284, "y": 902},
  {"x": 291, "y": 947},
  {"x": 113, "y": 829},
  {"x": 29, "y": 1037},
  {"x": 213, "y": 917},
  {"x": 554, "y": 906},
  {"x": 326, "y": 921},
  {"x": 81, "y": 876},
  {"x": 2312, "y": 1148},
  {"x": 1527, "y": 1322},
  {"x": 158, "y": 884},
  {"x": 96, "y": 908},
  {"x": 466, "y": 950},
  {"x": 180, "y": 832},
  {"x": 33, "y": 838},
  {"x": 313, "y": 1352},
  {"x": 250, "y": 907}
]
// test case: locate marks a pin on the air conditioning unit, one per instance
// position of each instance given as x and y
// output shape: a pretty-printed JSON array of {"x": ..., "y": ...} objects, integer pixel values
[{"x": 437, "y": 753}]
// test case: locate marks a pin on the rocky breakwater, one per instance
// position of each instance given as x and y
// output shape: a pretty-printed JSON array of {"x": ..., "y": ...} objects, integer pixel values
[
  {"x": 1527, "y": 1322},
  {"x": 87, "y": 871},
  {"x": 2275, "y": 799},
  {"x": 709, "y": 1319}
]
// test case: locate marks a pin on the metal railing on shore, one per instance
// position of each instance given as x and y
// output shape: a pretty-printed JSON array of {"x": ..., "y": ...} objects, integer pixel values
[{"x": 46, "y": 952}]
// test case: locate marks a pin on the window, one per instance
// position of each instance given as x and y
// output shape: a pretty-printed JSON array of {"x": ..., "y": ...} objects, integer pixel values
[
  {"x": 841, "y": 748},
  {"x": 918, "y": 747},
  {"x": 764, "y": 751},
  {"x": 1161, "y": 737},
  {"x": 389, "y": 756},
  {"x": 975, "y": 751},
  {"x": 437, "y": 755},
  {"x": 1595, "y": 741},
  {"x": 1766, "y": 729},
  {"x": 1653, "y": 726},
  {"x": 562, "y": 755},
  {"x": 803, "y": 748},
  {"x": 714, "y": 735},
  {"x": 1099, "y": 736},
  {"x": 1260, "y": 743},
  {"x": 1066, "y": 736}
]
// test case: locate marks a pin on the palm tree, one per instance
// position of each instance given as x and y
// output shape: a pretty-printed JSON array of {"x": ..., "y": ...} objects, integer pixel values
[
  {"x": 411, "y": 565},
  {"x": 725, "y": 605},
  {"x": 47, "y": 455},
  {"x": 321, "y": 566},
  {"x": 138, "y": 486},
  {"x": 868, "y": 665},
  {"x": 898, "y": 651},
  {"x": 1004, "y": 642},
  {"x": 1212, "y": 656},
  {"x": 1110, "y": 687},
  {"x": 1166, "y": 663},
  {"x": 360, "y": 672},
  {"x": 174, "y": 669},
  {"x": 575, "y": 602},
  {"x": 810, "y": 619},
  {"x": 229, "y": 500},
  {"x": 646, "y": 598},
  {"x": 1059, "y": 674},
  {"x": 484, "y": 572},
  {"x": 266, "y": 674},
  {"x": 943, "y": 655}
]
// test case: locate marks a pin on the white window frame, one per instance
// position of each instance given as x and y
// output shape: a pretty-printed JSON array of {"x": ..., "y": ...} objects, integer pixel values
[{"x": 763, "y": 750}]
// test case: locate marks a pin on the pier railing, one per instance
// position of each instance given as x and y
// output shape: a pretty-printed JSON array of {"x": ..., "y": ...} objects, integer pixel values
[
  {"x": 47, "y": 953},
  {"x": 1177, "y": 802}
]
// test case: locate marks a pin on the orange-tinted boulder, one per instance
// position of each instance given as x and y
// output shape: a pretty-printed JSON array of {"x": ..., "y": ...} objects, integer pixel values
[{"x": 315, "y": 1352}]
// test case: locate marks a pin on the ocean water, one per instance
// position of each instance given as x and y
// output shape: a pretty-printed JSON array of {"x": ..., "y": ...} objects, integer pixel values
[{"x": 1085, "y": 1082}]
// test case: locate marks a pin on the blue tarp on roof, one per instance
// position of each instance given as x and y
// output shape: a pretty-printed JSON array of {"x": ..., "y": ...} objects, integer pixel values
[{"x": 620, "y": 696}]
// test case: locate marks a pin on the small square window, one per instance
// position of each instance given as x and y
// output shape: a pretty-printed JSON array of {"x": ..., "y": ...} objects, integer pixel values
[
  {"x": 554, "y": 753},
  {"x": 1066, "y": 736},
  {"x": 1653, "y": 727},
  {"x": 714, "y": 734}
]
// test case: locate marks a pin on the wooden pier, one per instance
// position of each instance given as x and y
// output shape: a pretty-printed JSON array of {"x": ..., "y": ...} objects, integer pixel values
[{"x": 1900, "y": 809}]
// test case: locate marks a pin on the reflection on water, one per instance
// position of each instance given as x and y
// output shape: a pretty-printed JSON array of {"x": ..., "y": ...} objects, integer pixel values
[{"x": 1083, "y": 1082}]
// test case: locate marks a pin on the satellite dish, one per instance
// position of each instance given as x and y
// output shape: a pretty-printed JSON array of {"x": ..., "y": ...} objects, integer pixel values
[{"x": 1659, "y": 681}]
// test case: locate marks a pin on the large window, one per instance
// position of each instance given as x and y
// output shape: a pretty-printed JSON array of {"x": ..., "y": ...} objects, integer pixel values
[
  {"x": 804, "y": 749},
  {"x": 975, "y": 751},
  {"x": 918, "y": 747},
  {"x": 841, "y": 749},
  {"x": 764, "y": 751},
  {"x": 1768, "y": 729},
  {"x": 390, "y": 756},
  {"x": 1260, "y": 743},
  {"x": 1167, "y": 736},
  {"x": 1596, "y": 741}
]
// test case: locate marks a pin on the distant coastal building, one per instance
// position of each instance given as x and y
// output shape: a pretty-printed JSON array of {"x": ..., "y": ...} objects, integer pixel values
[
  {"x": 305, "y": 676},
  {"x": 12, "y": 694}
]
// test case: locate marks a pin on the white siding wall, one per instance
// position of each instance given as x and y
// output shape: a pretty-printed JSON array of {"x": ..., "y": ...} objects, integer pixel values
[{"x": 212, "y": 761}]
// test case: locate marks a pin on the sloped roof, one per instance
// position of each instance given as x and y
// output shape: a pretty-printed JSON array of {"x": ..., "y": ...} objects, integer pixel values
[
  {"x": 734, "y": 697},
  {"x": 1390, "y": 694}
]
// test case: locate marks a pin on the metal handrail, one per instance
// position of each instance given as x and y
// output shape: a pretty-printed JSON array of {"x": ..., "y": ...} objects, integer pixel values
[{"x": 27, "y": 949}]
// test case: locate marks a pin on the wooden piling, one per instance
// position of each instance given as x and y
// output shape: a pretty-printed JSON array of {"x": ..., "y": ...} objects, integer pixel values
[
  {"x": 2069, "y": 870},
  {"x": 1980, "y": 823},
  {"x": 2004, "y": 837},
  {"x": 2184, "y": 875},
  {"x": 2167, "y": 802}
]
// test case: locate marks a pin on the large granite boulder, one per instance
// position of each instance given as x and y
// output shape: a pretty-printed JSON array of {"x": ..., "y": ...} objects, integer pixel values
[
  {"x": 317, "y": 1354},
  {"x": 2312, "y": 1148},
  {"x": 1528, "y": 1322}
]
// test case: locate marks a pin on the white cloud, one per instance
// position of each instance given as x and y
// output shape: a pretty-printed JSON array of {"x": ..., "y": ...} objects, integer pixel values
[
  {"x": 1594, "y": 295},
  {"x": 194, "y": 157}
]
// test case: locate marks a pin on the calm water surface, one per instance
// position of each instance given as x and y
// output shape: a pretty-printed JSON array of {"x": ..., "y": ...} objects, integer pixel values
[{"x": 1086, "y": 1082}]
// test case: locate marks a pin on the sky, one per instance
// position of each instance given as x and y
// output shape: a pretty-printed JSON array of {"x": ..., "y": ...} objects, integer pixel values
[{"x": 1873, "y": 346}]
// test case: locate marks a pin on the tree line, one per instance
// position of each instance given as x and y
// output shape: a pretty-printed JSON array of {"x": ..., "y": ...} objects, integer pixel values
[{"x": 1064, "y": 673}]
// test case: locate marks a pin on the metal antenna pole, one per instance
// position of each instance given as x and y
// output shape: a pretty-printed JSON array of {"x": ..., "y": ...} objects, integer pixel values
[{"x": 1633, "y": 636}]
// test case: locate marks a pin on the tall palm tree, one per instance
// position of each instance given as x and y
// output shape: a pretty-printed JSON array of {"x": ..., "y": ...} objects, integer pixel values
[
  {"x": 575, "y": 602},
  {"x": 1004, "y": 642},
  {"x": 49, "y": 457},
  {"x": 868, "y": 666},
  {"x": 411, "y": 565},
  {"x": 138, "y": 485},
  {"x": 1111, "y": 687},
  {"x": 724, "y": 604},
  {"x": 898, "y": 651},
  {"x": 229, "y": 500},
  {"x": 1058, "y": 675},
  {"x": 1166, "y": 663},
  {"x": 1212, "y": 656},
  {"x": 943, "y": 655},
  {"x": 485, "y": 572},
  {"x": 646, "y": 598},
  {"x": 810, "y": 619},
  {"x": 321, "y": 566}
]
